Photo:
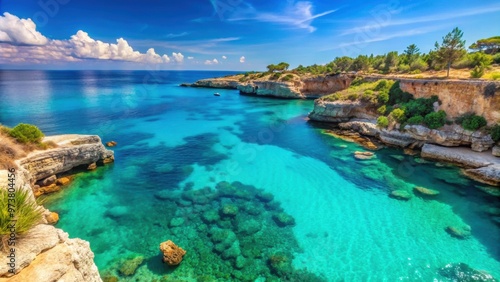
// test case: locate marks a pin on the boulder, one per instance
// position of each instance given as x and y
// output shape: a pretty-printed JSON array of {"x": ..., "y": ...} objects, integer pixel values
[
  {"x": 92, "y": 166},
  {"x": 129, "y": 266},
  {"x": 283, "y": 219},
  {"x": 63, "y": 181},
  {"x": 425, "y": 191},
  {"x": 172, "y": 254},
  {"x": 111, "y": 143},
  {"x": 400, "y": 195},
  {"x": 459, "y": 232},
  {"x": 47, "y": 189},
  {"x": 229, "y": 210},
  {"x": 48, "y": 181},
  {"x": 496, "y": 151},
  {"x": 52, "y": 218}
]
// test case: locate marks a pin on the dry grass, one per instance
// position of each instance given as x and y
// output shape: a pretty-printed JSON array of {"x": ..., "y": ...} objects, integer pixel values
[{"x": 11, "y": 150}]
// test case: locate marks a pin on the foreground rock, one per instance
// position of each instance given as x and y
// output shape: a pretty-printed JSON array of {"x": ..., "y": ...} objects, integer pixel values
[
  {"x": 47, "y": 254},
  {"x": 463, "y": 272},
  {"x": 426, "y": 191},
  {"x": 483, "y": 167},
  {"x": 459, "y": 232},
  {"x": 400, "y": 195},
  {"x": 172, "y": 254}
]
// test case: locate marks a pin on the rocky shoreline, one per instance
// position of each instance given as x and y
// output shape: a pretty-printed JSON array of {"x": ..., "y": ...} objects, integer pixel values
[
  {"x": 457, "y": 97},
  {"x": 46, "y": 253}
]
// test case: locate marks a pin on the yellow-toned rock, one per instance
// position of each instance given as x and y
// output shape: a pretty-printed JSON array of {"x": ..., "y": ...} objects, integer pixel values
[
  {"x": 52, "y": 218},
  {"x": 63, "y": 181},
  {"x": 111, "y": 143},
  {"x": 92, "y": 166},
  {"x": 172, "y": 254},
  {"x": 108, "y": 160}
]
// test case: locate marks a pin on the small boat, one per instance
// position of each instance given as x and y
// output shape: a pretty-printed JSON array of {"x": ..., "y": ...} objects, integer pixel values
[{"x": 216, "y": 94}]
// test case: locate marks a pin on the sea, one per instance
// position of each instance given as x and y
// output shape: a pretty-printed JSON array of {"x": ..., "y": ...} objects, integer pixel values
[{"x": 247, "y": 186}]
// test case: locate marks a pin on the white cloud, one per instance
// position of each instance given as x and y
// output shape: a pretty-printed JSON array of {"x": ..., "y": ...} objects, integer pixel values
[
  {"x": 297, "y": 15},
  {"x": 190, "y": 58},
  {"x": 19, "y": 31},
  {"x": 224, "y": 57},
  {"x": 174, "y": 35},
  {"x": 20, "y": 42},
  {"x": 178, "y": 57},
  {"x": 212, "y": 62},
  {"x": 242, "y": 59}
]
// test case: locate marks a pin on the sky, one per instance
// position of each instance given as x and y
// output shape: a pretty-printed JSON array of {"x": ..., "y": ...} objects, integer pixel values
[{"x": 225, "y": 34}]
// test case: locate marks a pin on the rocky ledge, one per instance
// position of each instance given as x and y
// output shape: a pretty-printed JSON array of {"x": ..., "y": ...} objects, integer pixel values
[{"x": 45, "y": 253}]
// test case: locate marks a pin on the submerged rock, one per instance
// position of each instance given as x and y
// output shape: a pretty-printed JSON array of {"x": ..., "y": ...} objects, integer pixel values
[
  {"x": 229, "y": 210},
  {"x": 400, "y": 195},
  {"x": 210, "y": 216},
  {"x": 363, "y": 155},
  {"x": 176, "y": 221},
  {"x": 459, "y": 232},
  {"x": 463, "y": 272},
  {"x": 426, "y": 191},
  {"x": 129, "y": 266},
  {"x": 283, "y": 219},
  {"x": 172, "y": 254}
]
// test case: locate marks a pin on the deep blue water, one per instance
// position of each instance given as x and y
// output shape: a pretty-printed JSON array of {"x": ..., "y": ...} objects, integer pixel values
[{"x": 170, "y": 137}]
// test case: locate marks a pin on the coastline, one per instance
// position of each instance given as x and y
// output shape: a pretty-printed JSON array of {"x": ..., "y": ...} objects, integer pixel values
[
  {"x": 458, "y": 97},
  {"x": 46, "y": 253}
]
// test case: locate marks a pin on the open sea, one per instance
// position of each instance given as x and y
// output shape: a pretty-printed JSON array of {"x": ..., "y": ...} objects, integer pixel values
[{"x": 246, "y": 185}]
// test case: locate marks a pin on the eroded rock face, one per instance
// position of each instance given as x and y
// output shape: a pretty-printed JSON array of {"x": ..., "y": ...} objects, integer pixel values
[
  {"x": 288, "y": 90},
  {"x": 459, "y": 97},
  {"x": 58, "y": 258},
  {"x": 216, "y": 83},
  {"x": 172, "y": 254},
  {"x": 72, "y": 152},
  {"x": 340, "y": 111}
]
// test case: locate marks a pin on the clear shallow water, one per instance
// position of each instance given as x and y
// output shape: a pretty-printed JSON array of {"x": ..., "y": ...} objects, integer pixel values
[{"x": 169, "y": 137}]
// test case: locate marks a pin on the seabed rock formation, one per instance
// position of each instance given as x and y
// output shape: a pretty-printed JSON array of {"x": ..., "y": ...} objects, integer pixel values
[{"x": 45, "y": 253}]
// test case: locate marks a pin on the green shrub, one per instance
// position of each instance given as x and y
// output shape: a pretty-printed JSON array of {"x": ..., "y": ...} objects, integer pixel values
[
  {"x": 383, "y": 97},
  {"x": 473, "y": 122},
  {"x": 495, "y": 132},
  {"x": 288, "y": 77},
  {"x": 382, "y": 84},
  {"x": 477, "y": 72},
  {"x": 26, "y": 211},
  {"x": 357, "y": 81},
  {"x": 397, "y": 96},
  {"x": 419, "y": 107},
  {"x": 435, "y": 120},
  {"x": 26, "y": 133},
  {"x": 382, "y": 121},
  {"x": 415, "y": 120},
  {"x": 404, "y": 68},
  {"x": 398, "y": 115},
  {"x": 353, "y": 96},
  {"x": 496, "y": 58},
  {"x": 418, "y": 66},
  {"x": 495, "y": 75},
  {"x": 382, "y": 110}
]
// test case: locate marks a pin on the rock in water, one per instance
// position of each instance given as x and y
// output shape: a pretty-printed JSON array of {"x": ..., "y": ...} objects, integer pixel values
[
  {"x": 363, "y": 155},
  {"x": 172, "y": 254},
  {"x": 400, "y": 195},
  {"x": 426, "y": 191},
  {"x": 459, "y": 232},
  {"x": 52, "y": 218},
  {"x": 111, "y": 143},
  {"x": 463, "y": 272}
]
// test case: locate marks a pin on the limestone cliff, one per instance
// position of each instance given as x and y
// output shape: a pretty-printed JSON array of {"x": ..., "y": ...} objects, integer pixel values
[
  {"x": 220, "y": 83},
  {"x": 459, "y": 97},
  {"x": 45, "y": 253}
]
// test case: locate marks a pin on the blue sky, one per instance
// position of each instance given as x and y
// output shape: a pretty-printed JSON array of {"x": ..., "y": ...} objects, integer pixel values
[{"x": 225, "y": 34}]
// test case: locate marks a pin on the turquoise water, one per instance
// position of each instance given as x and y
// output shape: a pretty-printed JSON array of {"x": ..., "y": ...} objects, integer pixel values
[{"x": 174, "y": 142}]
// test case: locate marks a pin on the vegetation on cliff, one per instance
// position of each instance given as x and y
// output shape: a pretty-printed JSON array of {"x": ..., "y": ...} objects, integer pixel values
[{"x": 18, "y": 142}]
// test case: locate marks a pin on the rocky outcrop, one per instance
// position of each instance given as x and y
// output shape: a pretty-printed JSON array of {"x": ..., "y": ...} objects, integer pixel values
[
  {"x": 483, "y": 167},
  {"x": 289, "y": 90},
  {"x": 172, "y": 254},
  {"x": 341, "y": 111},
  {"x": 219, "y": 83},
  {"x": 304, "y": 88},
  {"x": 47, "y": 254},
  {"x": 72, "y": 151}
]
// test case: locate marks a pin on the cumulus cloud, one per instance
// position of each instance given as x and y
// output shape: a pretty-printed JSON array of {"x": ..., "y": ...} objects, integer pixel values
[
  {"x": 242, "y": 59},
  {"x": 20, "y": 31},
  {"x": 212, "y": 62},
  {"x": 224, "y": 57},
  {"x": 20, "y": 42}
]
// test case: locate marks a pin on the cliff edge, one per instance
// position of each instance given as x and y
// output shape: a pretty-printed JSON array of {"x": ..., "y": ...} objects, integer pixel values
[{"x": 46, "y": 253}]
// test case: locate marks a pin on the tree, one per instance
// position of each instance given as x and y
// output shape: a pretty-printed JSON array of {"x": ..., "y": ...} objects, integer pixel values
[
  {"x": 271, "y": 68},
  {"x": 283, "y": 66},
  {"x": 361, "y": 63},
  {"x": 451, "y": 49},
  {"x": 391, "y": 61},
  {"x": 411, "y": 53},
  {"x": 343, "y": 63},
  {"x": 487, "y": 45}
]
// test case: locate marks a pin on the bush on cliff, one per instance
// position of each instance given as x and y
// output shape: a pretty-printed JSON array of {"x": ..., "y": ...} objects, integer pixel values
[
  {"x": 398, "y": 115},
  {"x": 25, "y": 211},
  {"x": 495, "y": 132},
  {"x": 398, "y": 96},
  {"x": 435, "y": 120},
  {"x": 416, "y": 120},
  {"x": 472, "y": 122},
  {"x": 383, "y": 122},
  {"x": 477, "y": 72},
  {"x": 26, "y": 133}
]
